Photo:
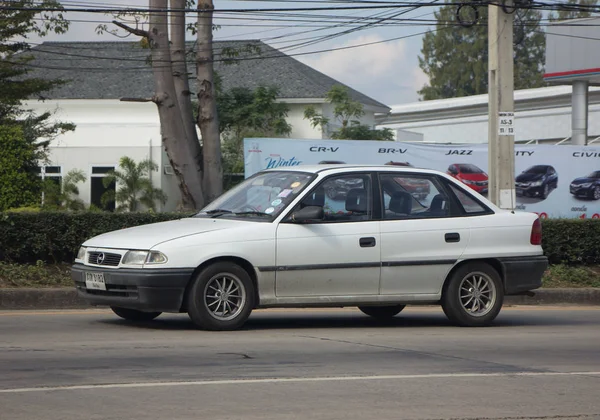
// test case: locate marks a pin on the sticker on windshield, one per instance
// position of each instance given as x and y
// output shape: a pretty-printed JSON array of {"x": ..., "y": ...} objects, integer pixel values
[
  {"x": 295, "y": 184},
  {"x": 284, "y": 193},
  {"x": 270, "y": 210},
  {"x": 276, "y": 202}
]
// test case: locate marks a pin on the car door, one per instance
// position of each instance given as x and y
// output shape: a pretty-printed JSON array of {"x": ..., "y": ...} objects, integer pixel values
[
  {"x": 337, "y": 256},
  {"x": 420, "y": 239}
]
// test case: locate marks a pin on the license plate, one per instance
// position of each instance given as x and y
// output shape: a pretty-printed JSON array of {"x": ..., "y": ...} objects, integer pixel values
[{"x": 95, "y": 281}]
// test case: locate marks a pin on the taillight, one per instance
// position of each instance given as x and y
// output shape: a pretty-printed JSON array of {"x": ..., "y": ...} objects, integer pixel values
[{"x": 536, "y": 232}]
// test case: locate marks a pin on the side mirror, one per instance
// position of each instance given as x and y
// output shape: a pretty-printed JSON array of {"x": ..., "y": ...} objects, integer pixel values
[{"x": 307, "y": 214}]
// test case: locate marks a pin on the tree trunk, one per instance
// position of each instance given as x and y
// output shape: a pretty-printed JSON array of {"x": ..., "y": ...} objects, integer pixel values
[
  {"x": 207, "y": 115},
  {"x": 180, "y": 76},
  {"x": 179, "y": 150}
]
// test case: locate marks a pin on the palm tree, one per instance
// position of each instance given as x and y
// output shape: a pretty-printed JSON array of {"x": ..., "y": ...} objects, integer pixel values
[
  {"x": 134, "y": 186},
  {"x": 63, "y": 196}
]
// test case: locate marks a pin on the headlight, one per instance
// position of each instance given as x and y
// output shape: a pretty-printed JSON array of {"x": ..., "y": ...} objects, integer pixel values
[
  {"x": 135, "y": 257},
  {"x": 466, "y": 181},
  {"x": 586, "y": 185},
  {"x": 81, "y": 253},
  {"x": 144, "y": 257}
]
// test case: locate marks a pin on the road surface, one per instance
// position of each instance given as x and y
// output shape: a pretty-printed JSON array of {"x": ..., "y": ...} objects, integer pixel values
[{"x": 301, "y": 364}]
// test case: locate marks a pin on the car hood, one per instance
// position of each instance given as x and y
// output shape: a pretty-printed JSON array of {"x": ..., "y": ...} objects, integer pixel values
[
  {"x": 583, "y": 180},
  {"x": 150, "y": 235},
  {"x": 527, "y": 177}
]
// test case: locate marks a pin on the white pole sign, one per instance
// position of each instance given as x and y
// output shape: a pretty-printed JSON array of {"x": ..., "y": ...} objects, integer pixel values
[{"x": 506, "y": 124}]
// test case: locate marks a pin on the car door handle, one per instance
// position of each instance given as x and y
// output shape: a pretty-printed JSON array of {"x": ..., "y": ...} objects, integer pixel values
[
  {"x": 367, "y": 242},
  {"x": 452, "y": 237}
]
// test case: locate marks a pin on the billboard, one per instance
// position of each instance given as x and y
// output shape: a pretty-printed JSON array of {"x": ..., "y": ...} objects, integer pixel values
[{"x": 553, "y": 181}]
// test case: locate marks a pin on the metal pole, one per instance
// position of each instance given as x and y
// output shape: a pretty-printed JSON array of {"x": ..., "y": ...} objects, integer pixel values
[
  {"x": 579, "y": 113},
  {"x": 501, "y": 134}
]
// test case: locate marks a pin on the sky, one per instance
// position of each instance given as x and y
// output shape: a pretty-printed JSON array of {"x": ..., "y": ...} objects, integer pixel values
[{"x": 386, "y": 71}]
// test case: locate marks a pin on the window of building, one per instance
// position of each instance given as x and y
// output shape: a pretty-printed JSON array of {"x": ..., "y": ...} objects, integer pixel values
[{"x": 98, "y": 190}]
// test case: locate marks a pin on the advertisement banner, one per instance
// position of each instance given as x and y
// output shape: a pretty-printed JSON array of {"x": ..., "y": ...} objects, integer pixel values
[{"x": 552, "y": 181}]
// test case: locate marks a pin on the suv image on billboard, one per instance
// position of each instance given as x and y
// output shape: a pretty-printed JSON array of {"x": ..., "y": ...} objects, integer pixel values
[
  {"x": 536, "y": 181},
  {"x": 586, "y": 186},
  {"x": 470, "y": 175}
]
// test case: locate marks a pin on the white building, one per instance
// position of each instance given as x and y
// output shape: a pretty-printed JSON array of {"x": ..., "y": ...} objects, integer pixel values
[
  {"x": 541, "y": 116},
  {"x": 99, "y": 75}
]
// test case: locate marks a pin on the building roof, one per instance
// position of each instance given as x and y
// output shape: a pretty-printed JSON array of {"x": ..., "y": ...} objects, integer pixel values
[
  {"x": 476, "y": 105},
  {"x": 113, "y": 70}
]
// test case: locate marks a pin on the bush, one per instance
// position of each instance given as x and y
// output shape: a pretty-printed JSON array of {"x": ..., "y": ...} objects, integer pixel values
[
  {"x": 572, "y": 241},
  {"x": 54, "y": 237}
]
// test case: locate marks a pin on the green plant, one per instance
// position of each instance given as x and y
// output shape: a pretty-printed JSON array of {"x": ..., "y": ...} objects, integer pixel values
[
  {"x": 19, "y": 184},
  {"x": 572, "y": 241},
  {"x": 346, "y": 112},
  {"x": 134, "y": 186}
]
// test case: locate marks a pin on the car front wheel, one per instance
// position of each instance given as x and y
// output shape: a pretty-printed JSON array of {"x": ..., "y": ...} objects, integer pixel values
[
  {"x": 473, "y": 295},
  {"x": 134, "y": 315},
  {"x": 382, "y": 312},
  {"x": 596, "y": 193},
  {"x": 221, "y": 297}
]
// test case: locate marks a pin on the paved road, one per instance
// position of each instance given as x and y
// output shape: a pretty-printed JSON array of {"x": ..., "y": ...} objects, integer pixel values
[{"x": 328, "y": 364}]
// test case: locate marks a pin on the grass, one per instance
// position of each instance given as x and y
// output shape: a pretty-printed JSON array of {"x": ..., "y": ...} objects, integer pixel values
[{"x": 59, "y": 275}]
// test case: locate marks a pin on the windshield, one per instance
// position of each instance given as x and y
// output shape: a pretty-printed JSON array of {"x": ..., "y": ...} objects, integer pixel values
[
  {"x": 595, "y": 174},
  {"x": 262, "y": 196},
  {"x": 470, "y": 169},
  {"x": 537, "y": 169}
]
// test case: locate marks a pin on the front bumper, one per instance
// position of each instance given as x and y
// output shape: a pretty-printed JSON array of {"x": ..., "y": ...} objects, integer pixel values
[
  {"x": 532, "y": 191},
  {"x": 522, "y": 274},
  {"x": 580, "y": 191},
  {"x": 153, "y": 290}
]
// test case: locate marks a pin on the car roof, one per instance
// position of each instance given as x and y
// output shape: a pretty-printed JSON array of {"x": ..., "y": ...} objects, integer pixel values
[{"x": 326, "y": 168}]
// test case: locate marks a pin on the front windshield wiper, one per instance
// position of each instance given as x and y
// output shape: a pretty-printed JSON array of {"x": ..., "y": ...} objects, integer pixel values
[
  {"x": 252, "y": 213},
  {"x": 218, "y": 212}
]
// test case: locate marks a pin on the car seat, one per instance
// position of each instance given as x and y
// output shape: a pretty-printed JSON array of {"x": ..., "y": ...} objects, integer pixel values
[
  {"x": 315, "y": 198},
  {"x": 401, "y": 203},
  {"x": 438, "y": 206}
]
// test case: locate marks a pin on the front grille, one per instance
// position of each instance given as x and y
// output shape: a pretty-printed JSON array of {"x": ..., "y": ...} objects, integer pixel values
[
  {"x": 104, "y": 258},
  {"x": 115, "y": 290}
]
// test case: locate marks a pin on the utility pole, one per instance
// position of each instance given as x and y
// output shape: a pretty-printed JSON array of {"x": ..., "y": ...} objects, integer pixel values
[{"x": 501, "y": 140}]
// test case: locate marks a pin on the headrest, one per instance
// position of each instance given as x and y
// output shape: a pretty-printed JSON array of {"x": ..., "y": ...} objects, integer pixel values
[
  {"x": 315, "y": 198},
  {"x": 401, "y": 202},
  {"x": 356, "y": 200},
  {"x": 437, "y": 203}
]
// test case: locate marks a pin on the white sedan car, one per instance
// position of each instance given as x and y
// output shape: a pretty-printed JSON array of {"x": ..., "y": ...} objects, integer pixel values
[{"x": 320, "y": 236}]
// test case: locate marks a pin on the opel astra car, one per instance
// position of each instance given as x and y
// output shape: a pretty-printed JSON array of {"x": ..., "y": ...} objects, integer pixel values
[
  {"x": 278, "y": 240},
  {"x": 470, "y": 175},
  {"x": 536, "y": 181},
  {"x": 587, "y": 186}
]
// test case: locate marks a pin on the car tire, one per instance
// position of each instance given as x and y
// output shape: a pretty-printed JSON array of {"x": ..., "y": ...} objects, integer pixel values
[
  {"x": 134, "y": 315},
  {"x": 221, "y": 297},
  {"x": 596, "y": 193},
  {"x": 468, "y": 288},
  {"x": 545, "y": 191},
  {"x": 382, "y": 312}
]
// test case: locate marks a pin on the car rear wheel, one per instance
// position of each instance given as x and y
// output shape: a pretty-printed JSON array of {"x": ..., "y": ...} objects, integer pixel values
[
  {"x": 221, "y": 297},
  {"x": 382, "y": 312},
  {"x": 473, "y": 295},
  {"x": 134, "y": 315}
]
